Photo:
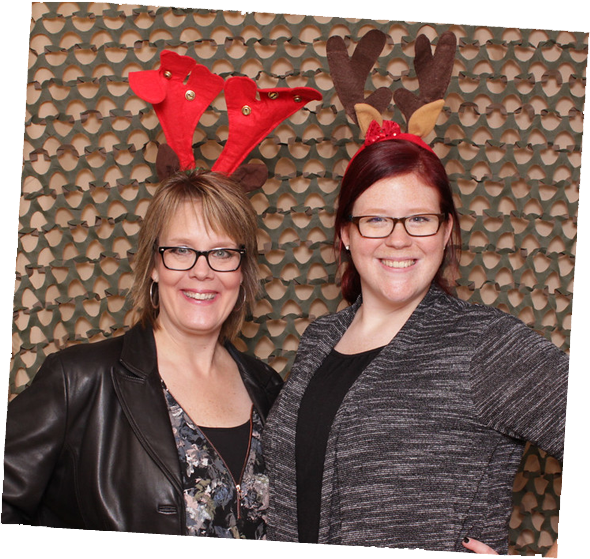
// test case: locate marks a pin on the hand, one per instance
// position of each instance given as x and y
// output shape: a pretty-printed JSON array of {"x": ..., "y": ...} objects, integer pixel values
[{"x": 478, "y": 547}]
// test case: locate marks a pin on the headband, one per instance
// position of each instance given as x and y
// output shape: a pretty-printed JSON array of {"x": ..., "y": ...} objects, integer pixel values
[
  {"x": 181, "y": 90},
  {"x": 420, "y": 111}
]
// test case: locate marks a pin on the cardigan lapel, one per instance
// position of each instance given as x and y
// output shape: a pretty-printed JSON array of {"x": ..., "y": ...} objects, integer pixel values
[
  {"x": 138, "y": 387},
  {"x": 331, "y": 328},
  {"x": 317, "y": 342}
]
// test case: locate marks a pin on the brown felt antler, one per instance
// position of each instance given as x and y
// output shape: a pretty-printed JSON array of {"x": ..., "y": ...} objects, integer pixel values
[
  {"x": 434, "y": 75},
  {"x": 433, "y": 71},
  {"x": 350, "y": 73},
  {"x": 249, "y": 175}
]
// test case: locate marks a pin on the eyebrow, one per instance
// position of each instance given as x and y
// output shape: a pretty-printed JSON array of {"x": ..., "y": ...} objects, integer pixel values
[
  {"x": 383, "y": 213},
  {"x": 184, "y": 242}
]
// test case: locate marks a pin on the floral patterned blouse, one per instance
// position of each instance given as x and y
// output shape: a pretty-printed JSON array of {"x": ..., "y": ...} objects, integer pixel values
[{"x": 216, "y": 504}]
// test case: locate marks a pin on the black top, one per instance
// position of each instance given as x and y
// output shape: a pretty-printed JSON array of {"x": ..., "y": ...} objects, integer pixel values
[
  {"x": 319, "y": 406},
  {"x": 232, "y": 445}
]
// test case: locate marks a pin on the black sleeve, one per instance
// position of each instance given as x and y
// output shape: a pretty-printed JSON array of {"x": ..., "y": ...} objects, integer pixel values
[{"x": 35, "y": 432}]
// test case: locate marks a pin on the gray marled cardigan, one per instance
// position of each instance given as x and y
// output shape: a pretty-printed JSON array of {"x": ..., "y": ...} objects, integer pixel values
[{"x": 425, "y": 446}]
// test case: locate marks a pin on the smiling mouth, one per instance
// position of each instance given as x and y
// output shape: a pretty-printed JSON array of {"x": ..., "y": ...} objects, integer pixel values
[
  {"x": 199, "y": 296},
  {"x": 398, "y": 263}
]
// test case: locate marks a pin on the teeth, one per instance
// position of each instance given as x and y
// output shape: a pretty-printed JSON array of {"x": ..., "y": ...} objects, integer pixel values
[
  {"x": 398, "y": 263},
  {"x": 199, "y": 296}
]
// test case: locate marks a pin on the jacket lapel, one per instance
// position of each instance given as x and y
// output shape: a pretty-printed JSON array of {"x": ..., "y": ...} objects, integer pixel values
[
  {"x": 138, "y": 387},
  {"x": 331, "y": 329}
]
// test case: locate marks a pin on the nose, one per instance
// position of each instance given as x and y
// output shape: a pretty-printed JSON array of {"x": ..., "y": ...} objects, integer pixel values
[
  {"x": 201, "y": 269},
  {"x": 399, "y": 236}
]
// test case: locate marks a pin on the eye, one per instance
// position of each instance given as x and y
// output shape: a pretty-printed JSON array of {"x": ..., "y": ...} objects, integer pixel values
[
  {"x": 180, "y": 251},
  {"x": 222, "y": 253},
  {"x": 419, "y": 219},
  {"x": 375, "y": 220}
]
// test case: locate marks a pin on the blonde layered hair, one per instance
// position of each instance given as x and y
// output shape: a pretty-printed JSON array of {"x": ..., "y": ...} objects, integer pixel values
[{"x": 226, "y": 209}]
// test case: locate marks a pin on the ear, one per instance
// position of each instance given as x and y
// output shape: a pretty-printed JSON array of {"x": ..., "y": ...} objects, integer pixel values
[
  {"x": 251, "y": 176},
  {"x": 449, "y": 223},
  {"x": 155, "y": 275},
  {"x": 366, "y": 114},
  {"x": 345, "y": 234}
]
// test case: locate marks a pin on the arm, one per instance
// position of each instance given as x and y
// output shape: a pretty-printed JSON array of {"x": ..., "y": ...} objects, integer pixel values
[
  {"x": 35, "y": 430},
  {"x": 521, "y": 388},
  {"x": 519, "y": 384}
]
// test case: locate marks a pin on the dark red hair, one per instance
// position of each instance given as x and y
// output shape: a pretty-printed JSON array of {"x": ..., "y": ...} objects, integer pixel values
[{"x": 388, "y": 159}]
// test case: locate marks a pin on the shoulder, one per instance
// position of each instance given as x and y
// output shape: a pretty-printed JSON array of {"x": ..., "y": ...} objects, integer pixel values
[
  {"x": 90, "y": 354},
  {"x": 76, "y": 369},
  {"x": 475, "y": 316},
  {"x": 323, "y": 333},
  {"x": 493, "y": 334},
  {"x": 262, "y": 382},
  {"x": 82, "y": 365},
  {"x": 264, "y": 374},
  {"x": 331, "y": 321}
]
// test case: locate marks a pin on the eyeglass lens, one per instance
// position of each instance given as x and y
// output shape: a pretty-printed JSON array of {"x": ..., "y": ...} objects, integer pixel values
[
  {"x": 422, "y": 225},
  {"x": 184, "y": 258}
]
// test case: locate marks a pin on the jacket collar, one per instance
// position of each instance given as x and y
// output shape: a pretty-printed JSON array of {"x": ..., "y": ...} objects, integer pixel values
[
  {"x": 139, "y": 351},
  {"x": 138, "y": 387},
  {"x": 139, "y": 356}
]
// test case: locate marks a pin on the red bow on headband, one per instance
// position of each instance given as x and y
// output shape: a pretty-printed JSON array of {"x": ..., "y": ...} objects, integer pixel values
[{"x": 390, "y": 130}]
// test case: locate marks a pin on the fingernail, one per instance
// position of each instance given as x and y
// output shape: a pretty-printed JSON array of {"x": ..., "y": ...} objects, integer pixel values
[{"x": 466, "y": 539}]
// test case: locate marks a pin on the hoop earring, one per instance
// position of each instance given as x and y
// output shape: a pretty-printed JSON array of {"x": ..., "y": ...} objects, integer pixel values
[{"x": 156, "y": 305}]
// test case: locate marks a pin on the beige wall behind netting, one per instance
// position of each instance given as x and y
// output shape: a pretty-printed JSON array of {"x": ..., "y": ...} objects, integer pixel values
[{"x": 510, "y": 138}]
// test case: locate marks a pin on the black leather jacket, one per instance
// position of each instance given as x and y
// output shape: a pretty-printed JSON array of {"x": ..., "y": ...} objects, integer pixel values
[{"x": 89, "y": 444}]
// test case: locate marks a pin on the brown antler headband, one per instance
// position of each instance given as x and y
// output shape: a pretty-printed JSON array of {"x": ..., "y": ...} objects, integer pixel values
[{"x": 420, "y": 111}]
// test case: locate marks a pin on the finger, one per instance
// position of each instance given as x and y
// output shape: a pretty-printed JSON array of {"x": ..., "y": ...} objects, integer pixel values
[{"x": 478, "y": 547}]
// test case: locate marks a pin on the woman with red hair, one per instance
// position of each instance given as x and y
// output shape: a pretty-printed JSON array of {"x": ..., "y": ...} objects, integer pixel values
[{"x": 404, "y": 418}]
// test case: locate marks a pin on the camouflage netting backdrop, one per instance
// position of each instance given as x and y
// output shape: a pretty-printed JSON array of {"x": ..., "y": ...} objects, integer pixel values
[{"x": 510, "y": 136}]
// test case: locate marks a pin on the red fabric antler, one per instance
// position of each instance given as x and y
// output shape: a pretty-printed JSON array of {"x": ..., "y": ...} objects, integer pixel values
[
  {"x": 181, "y": 90},
  {"x": 179, "y": 101},
  {"x": 253, "y": 113}
]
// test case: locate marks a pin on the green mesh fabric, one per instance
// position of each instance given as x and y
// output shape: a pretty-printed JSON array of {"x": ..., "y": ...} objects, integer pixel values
[{"x": 510, "y": 137}]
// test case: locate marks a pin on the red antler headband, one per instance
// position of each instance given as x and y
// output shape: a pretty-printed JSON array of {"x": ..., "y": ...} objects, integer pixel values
[{"x": 181, "y": 90}]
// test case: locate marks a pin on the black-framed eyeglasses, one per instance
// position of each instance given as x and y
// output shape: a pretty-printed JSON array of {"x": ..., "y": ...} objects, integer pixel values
[
  {"x": 379, "y": 227},
  {"x": 182, "y": 258}
]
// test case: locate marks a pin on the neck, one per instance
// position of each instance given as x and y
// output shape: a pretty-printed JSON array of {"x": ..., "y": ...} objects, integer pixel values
[
  {"x": 381, "y": 323},
  {"x": 378, "y": 323},
  {"x": 372, "y": 327},
  {"x": 186, "y": 354}
]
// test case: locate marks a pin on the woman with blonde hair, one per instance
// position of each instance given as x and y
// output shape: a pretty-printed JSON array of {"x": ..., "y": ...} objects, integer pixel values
[{"x": 157, "y": 430}]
